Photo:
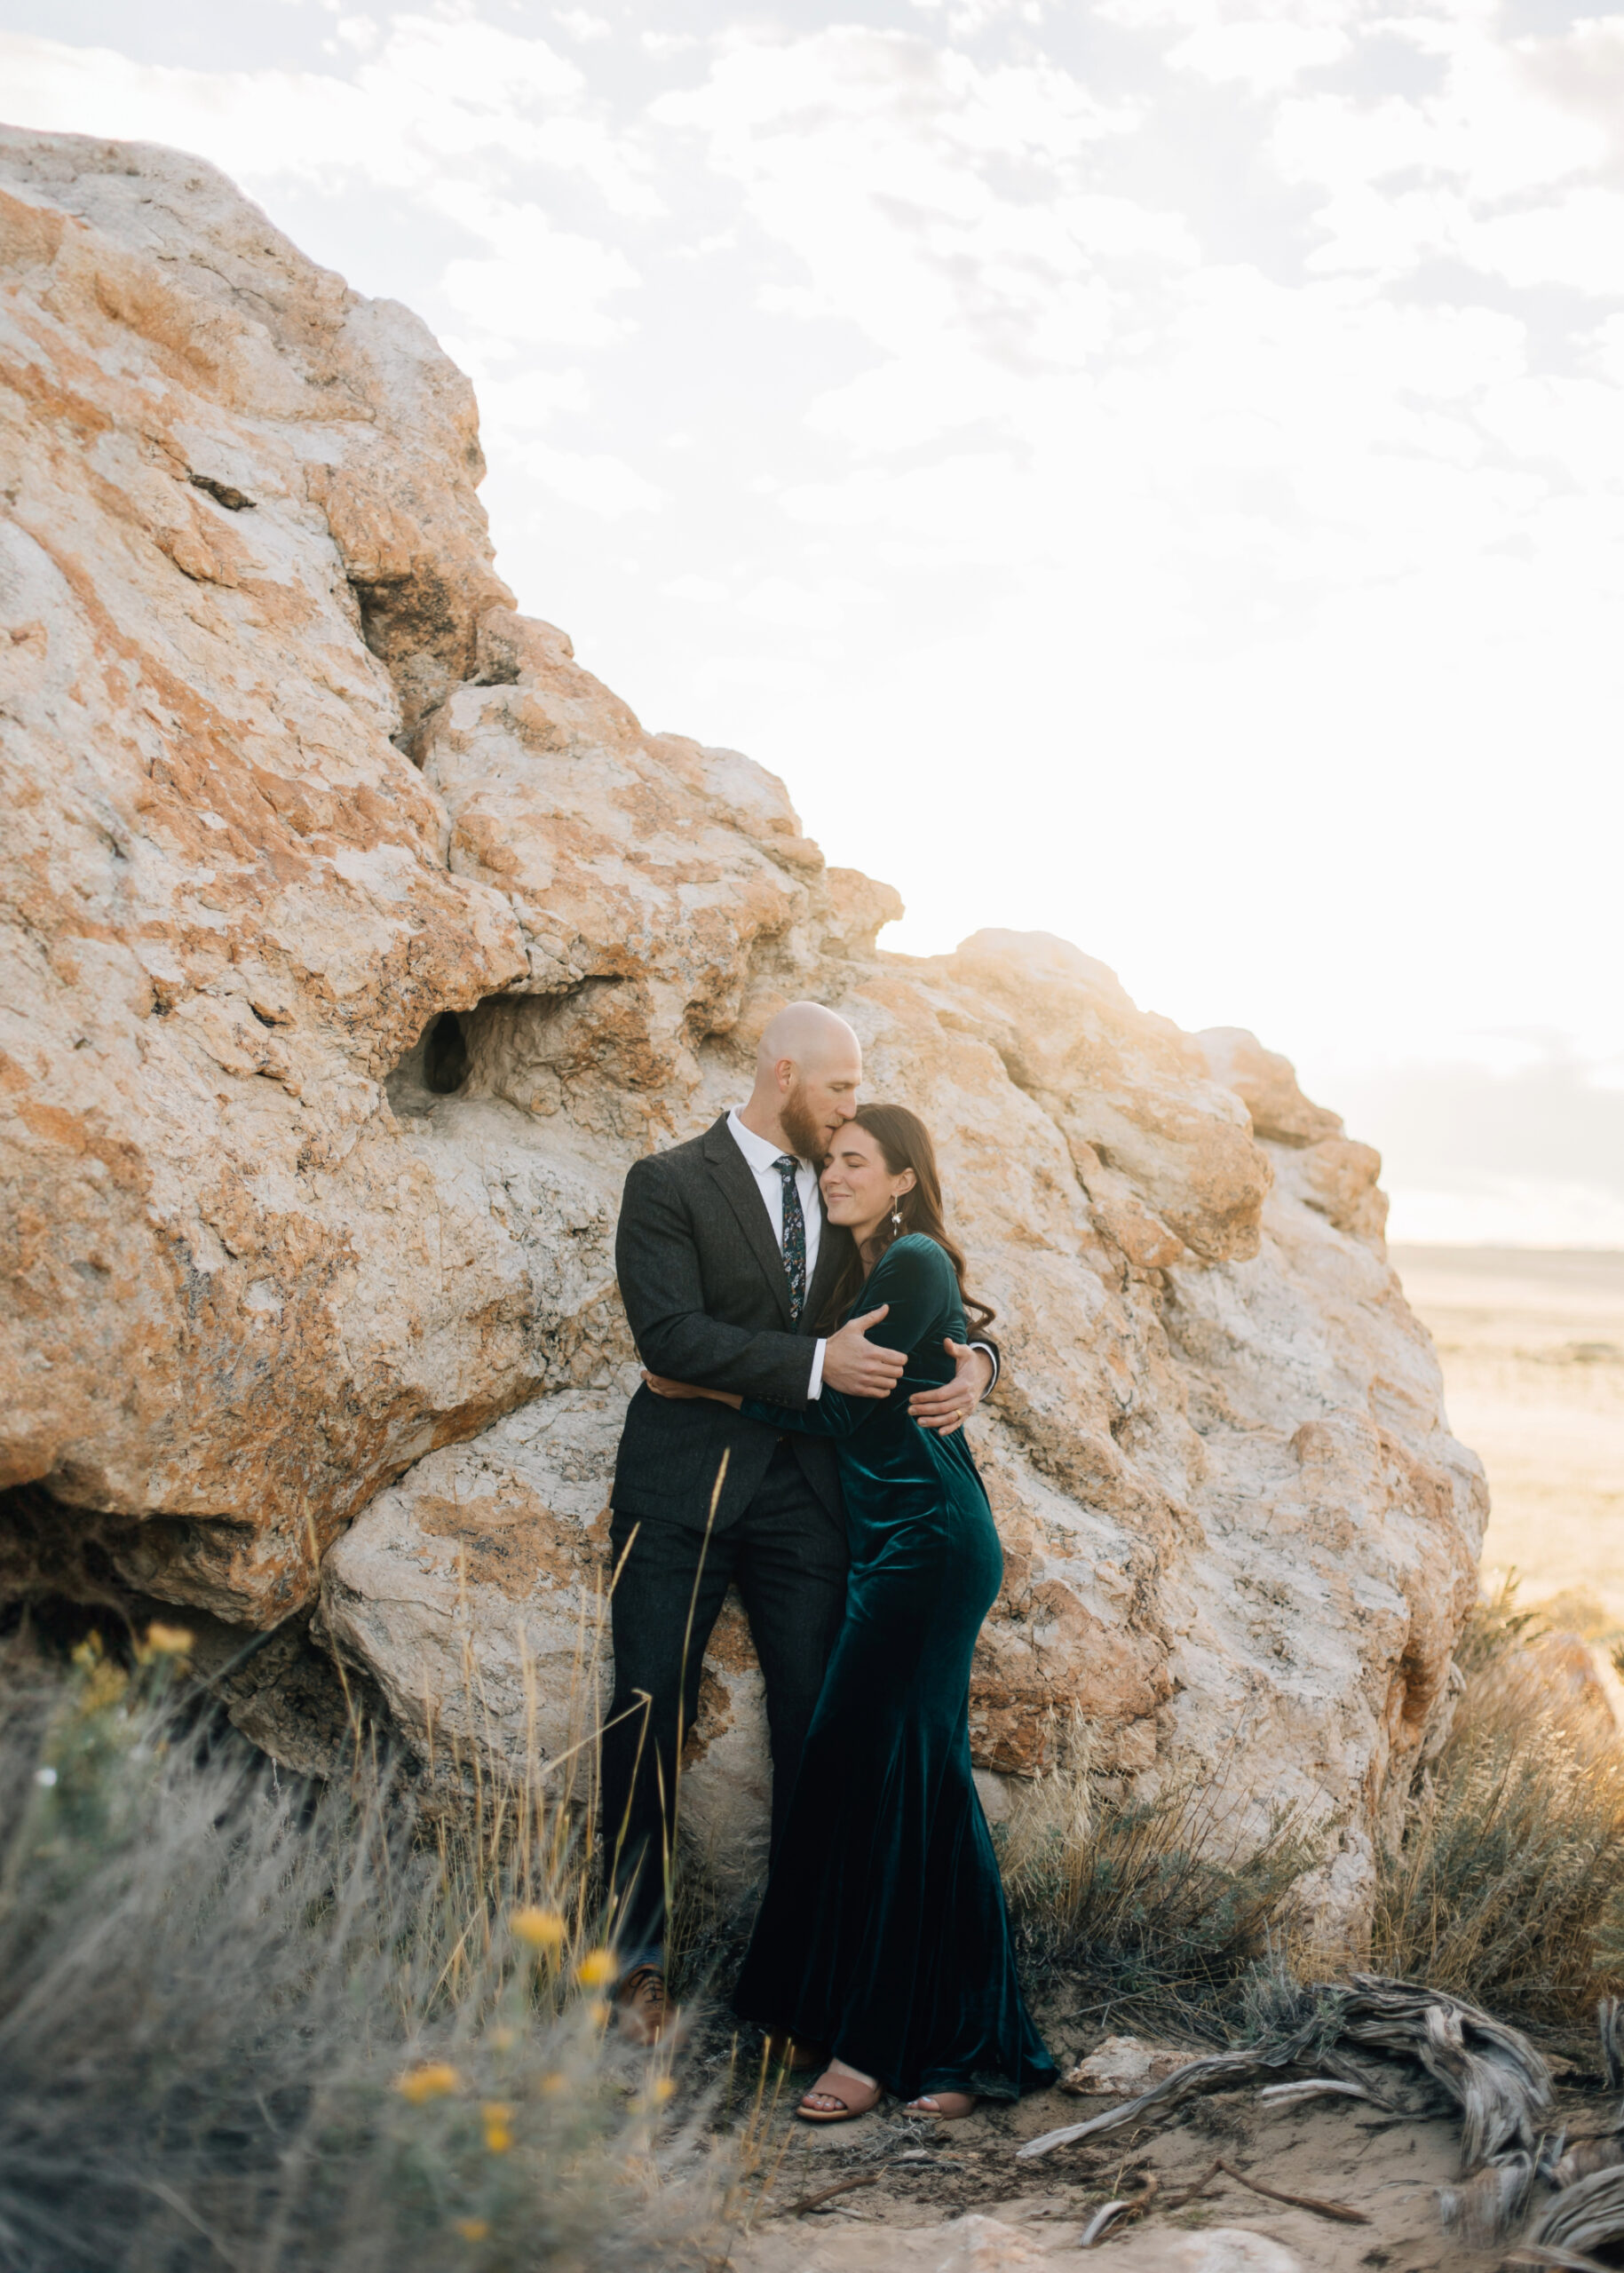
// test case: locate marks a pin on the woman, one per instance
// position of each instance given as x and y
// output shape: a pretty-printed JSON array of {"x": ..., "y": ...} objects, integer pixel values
[{"x": 883, "y": 1933}]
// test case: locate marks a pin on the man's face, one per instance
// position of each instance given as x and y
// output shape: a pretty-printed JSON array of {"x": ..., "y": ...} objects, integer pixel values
[{"x": 819, "y": 1100}]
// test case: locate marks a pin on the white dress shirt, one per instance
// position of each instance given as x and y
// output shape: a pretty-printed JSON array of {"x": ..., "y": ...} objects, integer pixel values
[{"x": 762, "y": 1160}]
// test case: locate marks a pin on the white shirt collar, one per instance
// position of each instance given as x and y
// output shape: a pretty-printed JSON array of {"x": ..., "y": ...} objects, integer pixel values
[{"x": 761, "y": 1155}]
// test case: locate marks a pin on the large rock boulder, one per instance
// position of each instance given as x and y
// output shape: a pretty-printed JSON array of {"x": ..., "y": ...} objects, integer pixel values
[{"x": 358, "y": 939}]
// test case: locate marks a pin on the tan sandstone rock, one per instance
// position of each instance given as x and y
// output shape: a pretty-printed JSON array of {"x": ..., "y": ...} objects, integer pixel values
[
  {"x": 358, "y": 940},
  {"x": 1122, "y": 2067}
]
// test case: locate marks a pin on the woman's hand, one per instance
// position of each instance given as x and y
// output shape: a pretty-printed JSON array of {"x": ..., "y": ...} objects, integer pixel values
[
  {"x": 662, "y": 1387},
  {"x": 947, "y": 1409}
]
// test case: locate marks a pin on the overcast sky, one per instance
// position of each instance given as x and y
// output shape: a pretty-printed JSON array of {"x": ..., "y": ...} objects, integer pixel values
[{"x": 1152, "y": 471}]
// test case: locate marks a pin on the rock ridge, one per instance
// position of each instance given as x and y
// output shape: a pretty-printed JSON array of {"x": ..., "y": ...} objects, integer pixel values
[{"x": 357, "y": 939}]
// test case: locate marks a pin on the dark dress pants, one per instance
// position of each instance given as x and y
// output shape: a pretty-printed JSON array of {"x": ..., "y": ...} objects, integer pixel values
[{"x": 787, "y": 1554}]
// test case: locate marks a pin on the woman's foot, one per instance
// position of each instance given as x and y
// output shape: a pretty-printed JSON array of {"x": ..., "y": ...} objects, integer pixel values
[
  {"x": 840, "y": 2094},
  {"x": 942, "y": 2107}
]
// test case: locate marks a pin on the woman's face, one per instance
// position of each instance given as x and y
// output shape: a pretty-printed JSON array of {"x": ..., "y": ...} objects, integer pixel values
[{"x": 858, "y": 1187}]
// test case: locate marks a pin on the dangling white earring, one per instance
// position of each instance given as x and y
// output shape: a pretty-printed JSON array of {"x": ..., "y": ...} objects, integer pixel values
[{"x": 896, "y": 1215}]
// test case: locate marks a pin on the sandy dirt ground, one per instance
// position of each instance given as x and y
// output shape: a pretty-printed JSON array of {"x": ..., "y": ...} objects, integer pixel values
[
  {"x": 954, "y": 2199},
  {"x": 1533, "y": 1350}
]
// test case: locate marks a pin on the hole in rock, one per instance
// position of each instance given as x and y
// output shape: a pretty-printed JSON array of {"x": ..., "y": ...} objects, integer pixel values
[
  {"x": 445, "y": 1055},
  {"x": 531, "y": 1051}
]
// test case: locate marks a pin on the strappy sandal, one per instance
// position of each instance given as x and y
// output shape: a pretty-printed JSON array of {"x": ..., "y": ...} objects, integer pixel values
[
  {"x": 844, "y": 2110},
  {"x": 943, "y": 2107}
]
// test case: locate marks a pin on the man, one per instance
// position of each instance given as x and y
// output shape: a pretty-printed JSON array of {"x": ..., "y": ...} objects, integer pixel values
[{"x": 725, "y": 1263}]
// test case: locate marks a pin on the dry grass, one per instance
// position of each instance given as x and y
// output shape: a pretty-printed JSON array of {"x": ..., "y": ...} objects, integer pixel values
[
  {"x": 1166, "y": 1906},
  {"x": 1506, "y": 1887},
  {"x": 270, "y": 2025},
  {"x": 257, "y": 2024}
]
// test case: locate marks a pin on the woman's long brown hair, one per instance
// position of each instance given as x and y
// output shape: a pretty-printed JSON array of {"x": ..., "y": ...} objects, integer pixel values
[{"x": 904, "y": 1143}]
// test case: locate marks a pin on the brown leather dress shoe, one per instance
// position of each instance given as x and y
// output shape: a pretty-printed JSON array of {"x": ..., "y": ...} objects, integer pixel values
[{"x": 643, "y": 2007}]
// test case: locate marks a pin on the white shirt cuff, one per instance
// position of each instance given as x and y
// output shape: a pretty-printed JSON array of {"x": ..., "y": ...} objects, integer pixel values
[
  {"x": 987, "y": 1350},
  {"x": 814, "y": 1387}
]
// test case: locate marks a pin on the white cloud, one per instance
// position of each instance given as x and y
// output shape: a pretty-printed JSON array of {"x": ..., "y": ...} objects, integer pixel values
[
  {"x": 362, "y": 33},
  {"x": 538, "y": 282},
  {"x": 703, "y": 591},
  {"x": 1116, "y": 228},
  {"x": 598, "y": 483},
  {"x": 1491, "y": 133},
  {"x": 1577, "y": 240},
  {"x": 1212, "y": 458},
  {"x": 439, "y": 94},
  {"x": 529, "y": 400},
  {"x": 804, "y": 607},
  {"x": 1264, "y": 54}
]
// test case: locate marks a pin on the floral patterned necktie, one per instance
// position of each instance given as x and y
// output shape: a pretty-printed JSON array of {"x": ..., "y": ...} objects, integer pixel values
[{"x": 795, "y": 1235}]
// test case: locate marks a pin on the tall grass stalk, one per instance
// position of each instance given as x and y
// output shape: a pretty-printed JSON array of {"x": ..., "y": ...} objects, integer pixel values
[{"x": 253, "y": 2024}]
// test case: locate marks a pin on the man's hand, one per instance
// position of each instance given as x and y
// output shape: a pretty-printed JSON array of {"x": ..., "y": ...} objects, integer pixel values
[
  {"x": 860, "y": 1368},
  {"x": 948, "y": 1408}
]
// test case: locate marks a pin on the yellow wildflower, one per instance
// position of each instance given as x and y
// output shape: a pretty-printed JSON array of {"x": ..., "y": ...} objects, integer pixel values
[
  {"x": 598, "y": 2013},
  {"x": 538, "y": 1929},
  {"x": 106, "y": 1686},
  {"x": 595, "y": 1969},
  {"x": 498, "y": 2126},
  {"x": 430, "y": 2080},
  {"x": 473, "y": 2228},
  {"x": 551, "y": 2086},
  {"x": 503, "y": 2038},
  {"x": 167, "y": 1641},
  {"x": 661, "y": 2089}
]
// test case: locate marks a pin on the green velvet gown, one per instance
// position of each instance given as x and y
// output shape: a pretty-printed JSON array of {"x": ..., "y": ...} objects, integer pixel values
[{"x": 883, "y": 1932}]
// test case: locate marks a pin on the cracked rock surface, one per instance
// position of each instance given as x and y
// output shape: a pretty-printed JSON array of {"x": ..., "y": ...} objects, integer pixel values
[{"x": 357, "y": 939}]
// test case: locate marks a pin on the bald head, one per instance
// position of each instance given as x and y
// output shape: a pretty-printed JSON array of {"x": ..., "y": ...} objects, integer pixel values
[
  {"x": 810, "y": 1037},
  {"x": 809, "y": 1065}
]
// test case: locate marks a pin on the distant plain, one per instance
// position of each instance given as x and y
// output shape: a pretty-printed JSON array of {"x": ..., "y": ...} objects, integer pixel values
[{"x": 1532, "y": 1343}]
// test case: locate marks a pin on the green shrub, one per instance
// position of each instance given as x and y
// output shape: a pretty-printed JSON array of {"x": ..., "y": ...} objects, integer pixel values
[{"x": 252, "y": 2022}]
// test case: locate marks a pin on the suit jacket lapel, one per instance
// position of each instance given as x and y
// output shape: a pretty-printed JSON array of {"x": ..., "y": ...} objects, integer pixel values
[{"x": 731, "y": 1172}]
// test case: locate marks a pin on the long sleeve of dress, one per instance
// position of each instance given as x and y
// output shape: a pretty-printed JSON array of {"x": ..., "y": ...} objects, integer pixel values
[{"x": 916, "y": 1278}]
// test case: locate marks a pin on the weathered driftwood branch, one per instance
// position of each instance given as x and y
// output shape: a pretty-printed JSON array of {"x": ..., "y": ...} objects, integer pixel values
[
  {"x": 1587, "y": 2216},
  {"x": 1343, "y": 2212},
  {"x": 1491, "y": 2073},
  {"x": 1210, "y": 2074}
]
